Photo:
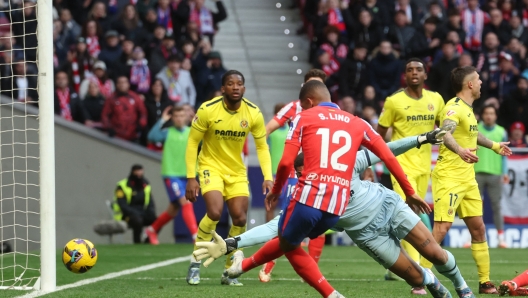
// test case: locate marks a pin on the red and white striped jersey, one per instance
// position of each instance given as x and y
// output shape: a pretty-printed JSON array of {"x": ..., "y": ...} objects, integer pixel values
[
  {"x": 288, "y": 112},
  {"x": 330, "y": 139}
]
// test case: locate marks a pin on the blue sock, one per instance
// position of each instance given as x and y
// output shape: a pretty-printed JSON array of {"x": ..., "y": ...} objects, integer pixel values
[
  {"x": 426, "y": 220},
  {"x": 260, "y": 234},
  {"x": 428, "y": 277},
  {"x": 451, "y": 271}
]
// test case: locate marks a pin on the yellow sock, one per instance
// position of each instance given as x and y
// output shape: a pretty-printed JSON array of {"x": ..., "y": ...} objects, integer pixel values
[
  {"x": 234, "y": 231},
  {"x": 411, "y": 251},
  {"x": 480, "y": 253},
  {"x": 425, "y": 263},
  {"x": 204, "y": 229}
]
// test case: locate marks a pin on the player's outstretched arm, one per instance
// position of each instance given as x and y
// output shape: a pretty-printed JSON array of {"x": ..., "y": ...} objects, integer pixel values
[
  {"x": 289, "y": 154},
  {"x": 272, "y": 126},
  {"x": 191, "y": 154},
  {"x": 499, "y": 148}
]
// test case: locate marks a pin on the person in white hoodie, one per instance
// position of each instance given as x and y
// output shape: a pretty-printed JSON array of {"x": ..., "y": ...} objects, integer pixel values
[{"x": 177, "y": 82}]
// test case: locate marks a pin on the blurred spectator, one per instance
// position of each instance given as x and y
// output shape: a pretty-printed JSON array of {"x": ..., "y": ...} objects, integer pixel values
[
  {"x": 353, "y": 75},
  {"x": 515, "y": 105},
  {"x": 189, "y": 110},
  {"x": 177, "y": 82},
  {"x": 150, "y": 21},
  {"x": 370, "y": 97},
  {"x": 338, "y": 15},
  {"x": 133, "y": 202},
  {"x": 436, "y": 79},
  {"x": 518, "y": 52},
  {"x": 124, "y": 114},
  {"x": 9, "y": 44},
  {"x": 100, "y": 76},
  {"x": 518, "y": 30},
  {"x": 498, "y": 26},
  {"x": 156, "y": 101},
  {"x": 24, "y": 28},
  {"x": 129, "y": 26},
  {"x": 91, "y": 31},
  {"x": 348, "y": 104},
  {"x": 488, "y": 59},
  {"x": 139, "y": 73},
  {"x": 369, "y": 114},
  {"x": 78, "y": 63},
  {"x": 517, "y": 138},
  {"x": 503, "y": 81},
  {"x": 382, "y": 69},
  {"x": 22, "y": 85},
  {"x": 67, "y": 103},
  {"x": 98, "y": 13},
  {"x": 159, "y": 56},
  {"x": 434, "y": 10},
  {"x": 61, "y": 41},
  {"x": 206, "y": 21},
  {"x": 425, "y": 42},
  {"x": 377, "y": 9},
  {"x": 209, "y": 79},
  {"x": 144, "y": 7},
  {"x": 332, "y": 46},
  {"x": 367, "y": 32},
  {"x": 93, "y": 104},
  {"x": 465, "y": 59},
  {"x": 506, "y": 7},
  {"x": 454, "y": 24},
  {"x": 70, "y": 26},
  {"x": 156, "y": 39},
  {"x": 410, "y": 10},
  {"x": 164, "y": 13},
  {"x": 112, "y": 50},
  {"x": 331, "y": 68},
  {"x": 473, "y": 21},
  {"x": 401, "y": 34},
  {"x": 491, "y": 171},
  {"x": 192, "y": 33}
]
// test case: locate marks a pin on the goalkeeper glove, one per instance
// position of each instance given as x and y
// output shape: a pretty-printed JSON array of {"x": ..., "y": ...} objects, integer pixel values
[
  {"x": 435, "y": 136},
  {"x": 214, "y": 249}
]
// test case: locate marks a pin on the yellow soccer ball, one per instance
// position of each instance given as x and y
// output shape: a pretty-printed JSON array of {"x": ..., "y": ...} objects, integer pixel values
[{"x": 79, "y": 255}]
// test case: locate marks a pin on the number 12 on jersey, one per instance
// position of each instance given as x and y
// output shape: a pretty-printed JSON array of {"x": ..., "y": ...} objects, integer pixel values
[{"x": 335, "y": 138}]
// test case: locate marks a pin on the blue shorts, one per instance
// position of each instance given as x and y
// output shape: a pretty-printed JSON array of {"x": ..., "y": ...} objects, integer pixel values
[
  {"x": 380, "y": 239},
  {"x": 286, "y": 193},
  {"x": 175, "y": 187},
  {"x": 299, "y": 221}
]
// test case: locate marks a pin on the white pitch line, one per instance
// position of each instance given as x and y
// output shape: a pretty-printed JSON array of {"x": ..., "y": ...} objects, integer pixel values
[
  {"x": 109, "y": 276},
  {"x": 442, "y": 278}
]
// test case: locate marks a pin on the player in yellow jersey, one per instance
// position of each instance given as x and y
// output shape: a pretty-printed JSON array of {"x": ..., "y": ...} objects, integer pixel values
[
  {"x": 411, "y": 111},
  {"x": 455, "y": 188},
  {"x": 223, "y": 124}
]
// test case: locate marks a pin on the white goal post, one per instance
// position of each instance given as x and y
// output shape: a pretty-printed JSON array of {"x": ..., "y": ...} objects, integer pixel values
[{"x": 27, "y": 148}]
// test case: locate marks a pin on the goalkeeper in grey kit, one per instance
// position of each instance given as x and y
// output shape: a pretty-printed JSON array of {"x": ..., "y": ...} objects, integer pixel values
[{"x": 376, "y": 219}]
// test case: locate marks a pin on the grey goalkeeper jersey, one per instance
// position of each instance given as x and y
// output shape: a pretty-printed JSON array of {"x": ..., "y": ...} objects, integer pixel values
[{"x": 366, "y": 198}]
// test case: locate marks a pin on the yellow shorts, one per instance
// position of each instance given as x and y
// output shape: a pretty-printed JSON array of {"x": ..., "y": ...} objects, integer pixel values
[
  {"x": 418, "y": 182},
  {"x": 230, "y": 186},
  {"x": 450, "y": 196}
]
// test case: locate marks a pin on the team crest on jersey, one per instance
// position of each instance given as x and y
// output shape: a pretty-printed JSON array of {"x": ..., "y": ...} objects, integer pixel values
[
  {"x": 195, "y": 118},
  {"x": 450, "y": 112},
  {"x": 450, "y": 211},
  {"x": 312, "y": 176},
  {"x": 430, "y": 107},
  {"x": 207, "y": 181},
  {"x": 244, "y": 124}
]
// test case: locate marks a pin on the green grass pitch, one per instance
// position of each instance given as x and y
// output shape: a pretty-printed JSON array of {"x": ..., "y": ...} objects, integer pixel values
[{"x": 348, "y": 269}]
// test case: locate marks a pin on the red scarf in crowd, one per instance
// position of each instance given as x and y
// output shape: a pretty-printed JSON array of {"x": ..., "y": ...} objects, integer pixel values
[
  {"x": 93, "y": 46},
  {"x": 335, "y": 18},
  {"x": 64, "y": 103},
  {"x": 77, "y": 72},
  {"x": 331, "y": 67},
  {"x": 473, "y": 24},
  {"x": 164, "y": 19},
  {"x": 203, "y": 18},
  {"x": 105, "y": 88},
  {"x": 340, "y": 52}
]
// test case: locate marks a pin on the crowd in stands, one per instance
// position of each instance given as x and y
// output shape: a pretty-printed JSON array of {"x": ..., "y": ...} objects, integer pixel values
[
  {"x": 362, "y": 46},
  {"x": 118, "y": 63}
]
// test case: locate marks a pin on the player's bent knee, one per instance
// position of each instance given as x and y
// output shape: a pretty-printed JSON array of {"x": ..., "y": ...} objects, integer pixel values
[
  {"x": 240, "y": 220},
  {"x": 214, "y": 215}
]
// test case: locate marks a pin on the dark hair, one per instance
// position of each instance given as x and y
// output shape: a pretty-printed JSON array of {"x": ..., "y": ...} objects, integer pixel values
[
  {"x": 361, "y": 45},
  {"x": 400, "y": 11},
  {"x": 453, "y": 12},
  {"x": 414, "y": 59},
  {"x": 331, "y": 29},
  {"x": 174, "y": 58},
  {"x": 489, "y": 106},
  {"x": 309, "y": 88},
  {"x": 232, "y": 72},
  {"x": 458, "y": 75},
  {"x": 299, "y": 161},
  {"x": 446, "y": 42},
  {"x": 315, "y": 73},
  {"x": 278, "y": 107},
  {"x": 136, "y": 167},
  {"x": 434, "y": 2},
  {"x": 432, "y": 20},
  {"x": 178, "y": 108}
]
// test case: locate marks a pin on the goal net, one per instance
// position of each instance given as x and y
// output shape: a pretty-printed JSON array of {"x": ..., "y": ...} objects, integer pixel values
[{"x": 27, "y": 233}]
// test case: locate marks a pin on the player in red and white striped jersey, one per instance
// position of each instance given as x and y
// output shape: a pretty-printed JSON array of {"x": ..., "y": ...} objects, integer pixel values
[{"x": 329, "y": 139}]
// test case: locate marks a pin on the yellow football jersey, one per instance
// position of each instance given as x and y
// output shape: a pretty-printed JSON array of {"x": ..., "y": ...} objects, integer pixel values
[
  {"x": 225, "y": 132},
  {"x": 410, "y": 117},
  {"x": 449, "y": 165}
]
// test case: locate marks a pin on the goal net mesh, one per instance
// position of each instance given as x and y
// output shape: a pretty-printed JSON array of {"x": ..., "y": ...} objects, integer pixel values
[{"x": 19, "y": 146}]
